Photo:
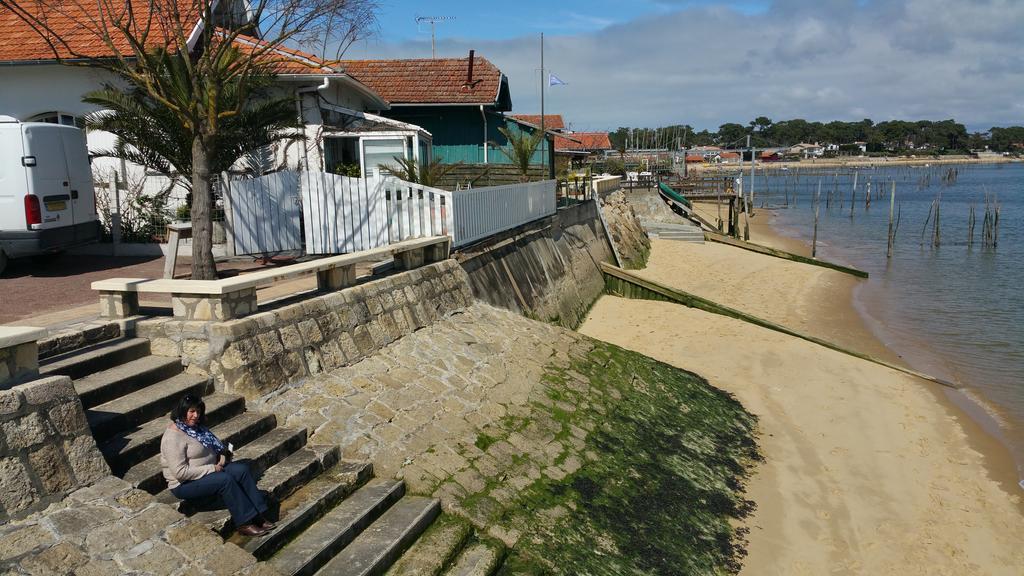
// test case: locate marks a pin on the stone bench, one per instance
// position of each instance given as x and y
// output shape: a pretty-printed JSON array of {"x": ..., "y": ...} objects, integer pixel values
[
  {"x": 19, "y": 354},
  {"x": 236, "y": 297}
]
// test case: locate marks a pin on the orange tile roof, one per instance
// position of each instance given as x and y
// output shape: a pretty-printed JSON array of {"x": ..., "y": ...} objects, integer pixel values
[
  {"x": 76, "y": 28},
  {"x": 584, "y": 141},
  {"x": 284, "y": 60},
  {"x": 428, "y": 81},
  {"x": 729, "y": 155},
  {"x": 551, "y": 121}
]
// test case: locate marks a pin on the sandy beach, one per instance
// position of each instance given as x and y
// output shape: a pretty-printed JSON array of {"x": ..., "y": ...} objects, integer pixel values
[{"x": 867, "y": 470}]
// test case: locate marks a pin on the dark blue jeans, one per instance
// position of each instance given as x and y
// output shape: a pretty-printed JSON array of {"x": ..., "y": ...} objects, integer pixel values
[{"x": 236, "y": 488}]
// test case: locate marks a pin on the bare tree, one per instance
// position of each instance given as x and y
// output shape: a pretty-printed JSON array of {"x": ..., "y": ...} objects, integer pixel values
[{"x": 230, "y": 44}]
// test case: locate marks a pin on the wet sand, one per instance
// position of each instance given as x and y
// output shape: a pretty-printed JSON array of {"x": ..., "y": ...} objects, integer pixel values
[{"x": 868, "y": 470}]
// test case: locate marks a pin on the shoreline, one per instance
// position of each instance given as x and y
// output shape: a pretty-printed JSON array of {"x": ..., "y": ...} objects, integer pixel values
[
  {"x": 866, "y": 470},
  {"x": 978, "y": 416},
  {"x": 851, "y": 162}
]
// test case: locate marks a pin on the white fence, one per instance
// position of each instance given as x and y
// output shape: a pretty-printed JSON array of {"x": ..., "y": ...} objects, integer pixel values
[
  {"x": 341, "y": 214},
  {"x": 345, "y": 215},
  {"x": 482, "y": 212},
  {"x": 263, "y": 214}
]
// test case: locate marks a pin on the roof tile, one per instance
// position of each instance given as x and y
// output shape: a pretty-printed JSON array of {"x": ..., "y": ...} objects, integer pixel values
[{"x": 429, "y": 81}]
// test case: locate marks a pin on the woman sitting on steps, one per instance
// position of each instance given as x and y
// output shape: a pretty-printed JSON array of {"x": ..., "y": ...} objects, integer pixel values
[{"x": 197, "y": 465}]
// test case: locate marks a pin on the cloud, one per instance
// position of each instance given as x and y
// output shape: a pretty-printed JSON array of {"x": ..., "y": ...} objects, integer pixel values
[{"x": 832, "y": 59}]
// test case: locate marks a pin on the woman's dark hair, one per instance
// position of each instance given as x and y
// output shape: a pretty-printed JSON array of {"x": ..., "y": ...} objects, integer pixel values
[{"x": 187, "y": 402}]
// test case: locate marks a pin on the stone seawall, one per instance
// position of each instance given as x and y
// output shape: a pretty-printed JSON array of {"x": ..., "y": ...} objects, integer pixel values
[
  {"x": 46, "y": 448},
  {"x": 626, "y": 232},
  {"x": 549, "y": 269},
  {"x": 259, "y": 354}
]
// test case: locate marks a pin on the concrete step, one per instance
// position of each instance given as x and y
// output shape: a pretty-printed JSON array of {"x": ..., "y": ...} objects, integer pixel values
[
  {"x": 476, "y": 560},
  {"x": 143, "y": 405},
  {"x": 130, "y": 447},
  {"x": 377, "y": 547},
  {"x": 105, "y": 385},
  {"x": 315, "y": 547},
  {"x": 306, "y": 505},
  {"x": 242, "y": 431},
  {"x": 277, "y": 483},
  {"x": 102, "y": 356},
  {"x": 436, "y": 548}
]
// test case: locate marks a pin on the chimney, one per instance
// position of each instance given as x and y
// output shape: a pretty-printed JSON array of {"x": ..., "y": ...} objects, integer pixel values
[{"x": 469, "y": 74}]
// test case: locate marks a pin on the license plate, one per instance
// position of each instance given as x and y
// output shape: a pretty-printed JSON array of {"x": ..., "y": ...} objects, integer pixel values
[{"x": 56, "y": 206}]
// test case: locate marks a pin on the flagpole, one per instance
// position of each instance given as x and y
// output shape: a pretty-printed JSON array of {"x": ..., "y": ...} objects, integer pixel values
[{"x": 543, "y": 135}]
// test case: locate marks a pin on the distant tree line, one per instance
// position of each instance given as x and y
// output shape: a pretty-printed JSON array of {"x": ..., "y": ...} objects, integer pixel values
[{"x": 893, "y": 136}]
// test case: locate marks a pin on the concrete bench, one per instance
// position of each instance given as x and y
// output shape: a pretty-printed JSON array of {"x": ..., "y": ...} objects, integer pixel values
[
  {"x": 19, "y": 354},
  {"x": 236, "y": 297}
]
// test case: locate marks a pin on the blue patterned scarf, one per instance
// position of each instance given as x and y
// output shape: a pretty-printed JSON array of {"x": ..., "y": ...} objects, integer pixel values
[{"x": 202, "y": 435}]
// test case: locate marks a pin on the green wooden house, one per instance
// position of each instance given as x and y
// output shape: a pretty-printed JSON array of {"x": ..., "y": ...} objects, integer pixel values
[{"x": 461, "y": 102}]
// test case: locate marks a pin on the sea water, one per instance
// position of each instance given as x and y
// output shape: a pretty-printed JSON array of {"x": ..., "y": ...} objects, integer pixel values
[{"x": 954, "y": 310}]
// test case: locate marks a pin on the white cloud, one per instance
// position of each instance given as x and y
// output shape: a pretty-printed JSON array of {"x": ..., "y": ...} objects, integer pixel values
[{"x": 832, "y": 59}]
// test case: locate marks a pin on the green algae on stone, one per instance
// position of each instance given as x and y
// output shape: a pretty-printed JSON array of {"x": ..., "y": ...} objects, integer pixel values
[{"x": 663, "y": 479}]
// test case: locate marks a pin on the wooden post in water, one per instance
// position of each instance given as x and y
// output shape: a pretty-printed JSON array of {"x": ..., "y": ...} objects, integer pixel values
[
  {"x": 892, "y": 231},
  {"x": 867, "y": 197},
  {"x": 853, "y": 194},
  {"x": 970, "y": 226},
  {"x": 937, "y": 236},
  {"x": 817, "y": 205}
]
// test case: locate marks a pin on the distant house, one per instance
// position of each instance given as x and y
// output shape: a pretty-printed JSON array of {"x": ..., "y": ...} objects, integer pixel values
[
  {"x": 804, "y": 150},
  {"x": 729, "y": 158},
  {"x": 769, "y": 156},
  {"x": 582, "y": 145},
  {"x": 460, "y": 101},
  {"x": 695, "y": 159}
]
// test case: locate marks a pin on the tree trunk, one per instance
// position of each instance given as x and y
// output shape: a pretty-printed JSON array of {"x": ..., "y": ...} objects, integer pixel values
[{"x": 203, "y": 267}]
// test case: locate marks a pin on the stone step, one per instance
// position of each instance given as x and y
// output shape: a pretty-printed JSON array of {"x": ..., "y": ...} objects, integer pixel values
[
  {"x": 130, "y": 447},
  {"x": 476, "y": 560},
  {"x": 436, "y": 548},
  {"x": 143, "y": 405},
  {"x": 105, "y": 385},
  {"x": 377, "y": 547},
  {"x": 313, "y": 548},
  {"x": 277, "y": 483},
  {"x": 102, "y": 356},
  {"x": 307, "y": 504},
  {"x": 240, "y": 431}
]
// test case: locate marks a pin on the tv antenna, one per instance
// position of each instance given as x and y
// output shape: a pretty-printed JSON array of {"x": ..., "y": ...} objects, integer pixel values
[{"x": 433, "y": 20}]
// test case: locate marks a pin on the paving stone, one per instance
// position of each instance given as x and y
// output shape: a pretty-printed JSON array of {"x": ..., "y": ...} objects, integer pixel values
[
  {"x": 63, "y": 558},
  {"x": 18, "y": 540}
]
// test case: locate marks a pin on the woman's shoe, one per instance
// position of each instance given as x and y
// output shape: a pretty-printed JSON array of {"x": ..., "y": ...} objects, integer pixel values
[
  {"x": 267, "y": 525},
  {"x": 251, "y": 530}
]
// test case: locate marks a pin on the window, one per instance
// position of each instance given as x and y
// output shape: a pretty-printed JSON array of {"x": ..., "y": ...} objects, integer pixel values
[{"x": 59, "y": 118}]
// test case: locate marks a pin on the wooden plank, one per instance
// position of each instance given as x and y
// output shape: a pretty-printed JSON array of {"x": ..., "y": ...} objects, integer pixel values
[
  {"x": 713, "y": 237},
  {"x": 653, "y": 290}
]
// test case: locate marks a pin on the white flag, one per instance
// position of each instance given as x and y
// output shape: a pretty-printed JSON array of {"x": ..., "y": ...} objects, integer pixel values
[{"x": 556, "y": 81}]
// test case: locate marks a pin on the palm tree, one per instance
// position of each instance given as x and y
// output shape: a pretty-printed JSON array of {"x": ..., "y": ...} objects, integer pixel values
[
  {"x": 149, "y": 135},
  {"x": 520, "y": 149},
  {"x": 427, "y": 174}
]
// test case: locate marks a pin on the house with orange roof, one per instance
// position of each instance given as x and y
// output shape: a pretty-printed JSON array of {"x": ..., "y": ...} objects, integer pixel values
[
  {"x": 333, "y": 105},
  {"x": 462, "y": 102}
]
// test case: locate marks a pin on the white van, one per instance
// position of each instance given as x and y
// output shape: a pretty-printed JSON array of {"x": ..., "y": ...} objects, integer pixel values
[{"x": 47, "y": 202}]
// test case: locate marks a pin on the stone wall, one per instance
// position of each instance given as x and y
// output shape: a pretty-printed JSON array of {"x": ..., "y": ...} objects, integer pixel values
[
  {"x": 78, "y": 335},
  {"x": 259, "y": 354},
  {"x": 548, "y": 270},
  {"x": 625, "y": 229},
  {"x": 18, "y": 363},
  {"x": 112, "y": 528},
  {"x": 46, "y": 448},
  {"x": 648, "y": 205}
]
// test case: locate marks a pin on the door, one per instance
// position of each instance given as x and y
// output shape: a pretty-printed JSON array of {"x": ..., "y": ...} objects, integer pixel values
[
  {"x": 377, "y": 153},
  {"x": 83, "y": 204},
  {"x": 48, "y": 179}
]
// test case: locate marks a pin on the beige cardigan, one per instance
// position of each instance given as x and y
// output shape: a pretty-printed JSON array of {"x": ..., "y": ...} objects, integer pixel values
[{"x": 184, "y": 459}]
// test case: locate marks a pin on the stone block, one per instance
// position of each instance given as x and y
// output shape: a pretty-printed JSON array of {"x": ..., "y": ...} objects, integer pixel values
[
  {"x": 63, "y": 558},
  {"x": 336, "y": 278},
  {"x": 409, "y": 259},
  {"x": 76, "y": 523},
  {"x": 16, "y": 491},
  {"x": 270, "y": 344},
  {"x": 118, "y": 304},
  {"x": 26, "y": 431},
  {"x": 85, "y": 459},
  {"x": 310, "y": 331},
  {"x": 10, "y": 401},
  {"x": 291, "y": 338},
  {"x": 195, "y": 351},
  {"x": 150, "y": 557},
  {"x": 48, "y": 464},
  {"x": 165, "y": 347},
  {"x": 105, "y": 541},
  {"x": 22, "y": 540},
  {"x": 152, "y": 521},
  {"x": 46, "y": 390}
]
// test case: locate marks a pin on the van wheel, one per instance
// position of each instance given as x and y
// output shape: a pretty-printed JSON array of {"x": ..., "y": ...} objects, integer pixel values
[{"x": 3, "y": 262}]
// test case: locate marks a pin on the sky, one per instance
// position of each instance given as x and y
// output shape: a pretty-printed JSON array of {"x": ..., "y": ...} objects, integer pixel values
[{"x": 704, "y": 63}]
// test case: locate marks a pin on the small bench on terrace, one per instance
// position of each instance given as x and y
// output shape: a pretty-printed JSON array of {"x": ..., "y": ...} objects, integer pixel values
[{"x": 235, "y": 297}]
